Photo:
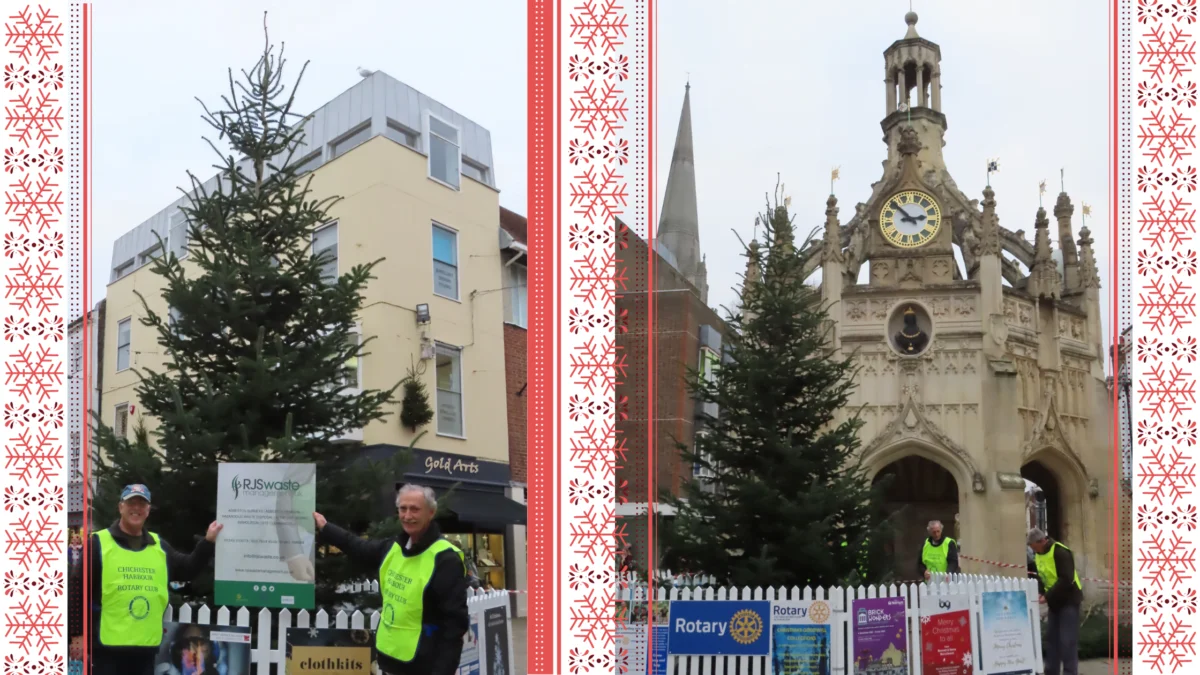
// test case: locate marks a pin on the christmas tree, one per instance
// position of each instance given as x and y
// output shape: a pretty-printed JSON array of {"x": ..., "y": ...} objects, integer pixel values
[
  {"x": 260, "y": 341},
  {"x": 788, "y": 503}
]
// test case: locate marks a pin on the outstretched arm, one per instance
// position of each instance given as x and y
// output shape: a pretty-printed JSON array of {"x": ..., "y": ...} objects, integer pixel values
[
  {"x": 363, "y": 552},
  {"x": 185, "y": 567}
]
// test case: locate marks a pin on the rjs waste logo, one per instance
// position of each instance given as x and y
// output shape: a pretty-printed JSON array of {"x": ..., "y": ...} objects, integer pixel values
[{"x": 258, "y": 486}]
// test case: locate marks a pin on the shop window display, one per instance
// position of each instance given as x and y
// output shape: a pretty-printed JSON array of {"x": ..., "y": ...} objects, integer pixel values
[{"x": 487, "y": 552}]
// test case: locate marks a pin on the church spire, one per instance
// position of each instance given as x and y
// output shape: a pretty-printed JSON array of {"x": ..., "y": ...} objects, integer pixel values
[{"x": 679, "y": 227}]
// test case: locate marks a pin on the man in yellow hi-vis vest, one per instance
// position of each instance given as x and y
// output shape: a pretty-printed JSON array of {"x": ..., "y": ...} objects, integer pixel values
[
  {"x": 1059, "y": 588},
  {"x": 130, "y": 569},
  {"x": 939, "y": 555},
  {"x": 423, "y": 581}
]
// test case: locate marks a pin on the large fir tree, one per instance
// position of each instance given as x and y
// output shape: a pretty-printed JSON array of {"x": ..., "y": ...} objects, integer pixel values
[
  {"x": 790, "y": 504},
  {"x": 257, "y": 340}
]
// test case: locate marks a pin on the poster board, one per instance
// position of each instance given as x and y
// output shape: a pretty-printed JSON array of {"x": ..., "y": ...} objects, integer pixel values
[
  {"x": 265, "y": 553},
  {"x": 880, "y": 635},
  {"x": 497, "y": 646},
  {"x": 801, "y": 637},
  {"x": 1006, "y": 633},
  {"x": 946, "y": 635},
  {"x": 190, "y": 649}
]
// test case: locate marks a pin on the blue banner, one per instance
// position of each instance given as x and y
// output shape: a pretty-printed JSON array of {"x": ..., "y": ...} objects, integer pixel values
[
  {"x": 657, "y": 662},
  {"x": 720, "y": 627}
]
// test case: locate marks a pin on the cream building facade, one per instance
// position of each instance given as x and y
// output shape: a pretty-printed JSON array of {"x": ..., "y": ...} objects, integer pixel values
[
  {"x": 973, "y": 377},
  {"x": 417, "y": 189}
]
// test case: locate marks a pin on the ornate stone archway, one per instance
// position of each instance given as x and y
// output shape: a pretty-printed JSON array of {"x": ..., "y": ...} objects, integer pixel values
[{"x": 1073, "y": 491}]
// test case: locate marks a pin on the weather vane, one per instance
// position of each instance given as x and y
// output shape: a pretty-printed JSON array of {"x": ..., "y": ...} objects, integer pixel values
[
  {"x": 993, "y": 165},
  {"x": 1062, "y": 179},
  {"x": 1041, "y": 191},
  {"x": 1087, "y": 211},
  {"x": 833, "y": 176}
]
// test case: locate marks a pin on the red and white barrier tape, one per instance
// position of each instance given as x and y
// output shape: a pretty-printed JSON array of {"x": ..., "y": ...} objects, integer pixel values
[{"x": 1123, "y": 584}]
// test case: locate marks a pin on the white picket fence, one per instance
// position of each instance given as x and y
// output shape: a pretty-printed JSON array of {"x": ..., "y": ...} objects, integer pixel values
[
  {"x": 840, "y": 600},
  {"x": 269, "y": 645}
]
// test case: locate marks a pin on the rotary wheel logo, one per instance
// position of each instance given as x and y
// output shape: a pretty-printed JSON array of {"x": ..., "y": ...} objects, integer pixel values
[
  {"x": 745, "y": 627},
  {"x": 819, "y": 612},
  {"x": 389, "y": 614},
  {"x": 139, "y": 608}
]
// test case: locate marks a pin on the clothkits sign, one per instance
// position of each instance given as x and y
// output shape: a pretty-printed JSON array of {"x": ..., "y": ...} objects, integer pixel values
[
  {"x": 330, "y": 651},
  {"x": 719, "y": 628}
]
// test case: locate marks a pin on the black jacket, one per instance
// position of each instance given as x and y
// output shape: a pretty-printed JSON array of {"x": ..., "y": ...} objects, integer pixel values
[
  {"x": 180, "y": 567},
  {"x": 952, "y": 566},
  {"x": 444, "y": 602},
  {"x": 1064, "y": 593}
]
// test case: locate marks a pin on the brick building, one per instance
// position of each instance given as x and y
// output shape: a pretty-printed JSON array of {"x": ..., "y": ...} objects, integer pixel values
[{"x": 665, "y": 331}]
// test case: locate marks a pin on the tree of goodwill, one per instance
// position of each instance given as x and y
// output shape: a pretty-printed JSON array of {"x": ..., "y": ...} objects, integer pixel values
[
  {"x": 789, "y": 503},
  {"x": 257, "y": 344}
]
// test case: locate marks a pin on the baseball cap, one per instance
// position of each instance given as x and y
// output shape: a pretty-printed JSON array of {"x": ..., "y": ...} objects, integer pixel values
[{"x": 135, "y": 490}]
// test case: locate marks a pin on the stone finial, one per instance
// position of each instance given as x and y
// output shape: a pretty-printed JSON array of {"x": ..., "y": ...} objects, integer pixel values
[
  {"x": 989, "y": 236},
  {"x": 911, "y": 19},
  {"x": 1063, "y": 210},
  {"x": 1089, "y": 275},
  {"x": 832, "y": 249},
  {"x": 1044, "y": 279},
  {"x": 910, "y": 143}
]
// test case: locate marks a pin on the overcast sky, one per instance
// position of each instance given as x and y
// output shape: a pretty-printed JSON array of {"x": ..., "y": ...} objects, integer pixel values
[
  {"x": 797, "y": 89},
  {"x": 152, "y": 59},
  {"x": 789, "y": 88}
]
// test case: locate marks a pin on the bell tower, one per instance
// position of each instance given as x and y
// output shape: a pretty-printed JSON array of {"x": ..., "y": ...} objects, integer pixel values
[
  {"x": 910, "y": 237},
  {"x": 913, "y": 86}
]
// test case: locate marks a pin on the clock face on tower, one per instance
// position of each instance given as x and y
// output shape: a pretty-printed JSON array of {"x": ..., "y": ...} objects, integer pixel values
[{"x": 910, "y": 219}]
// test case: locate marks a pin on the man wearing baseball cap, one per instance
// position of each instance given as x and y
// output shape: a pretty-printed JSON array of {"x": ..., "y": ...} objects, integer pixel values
[{"x": 130, "y": 570}]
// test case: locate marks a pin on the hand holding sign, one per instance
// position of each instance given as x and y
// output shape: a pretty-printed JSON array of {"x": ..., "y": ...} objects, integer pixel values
[
  {"x": 214, "y": 529},
  {"x": 319, "y": 521}
]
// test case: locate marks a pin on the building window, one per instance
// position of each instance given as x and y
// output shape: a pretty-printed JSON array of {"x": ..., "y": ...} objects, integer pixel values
[
  {"x": 445, "y": 262},
  {"x": 351, "y": 140},
  {"x": 325, "y": 246},
  {"x": 709, "y": 362},
  {"x": 352, "y": 368},
  {"x": 178, "y": 235},
  {"x": 123, "y": 269},
  {"x": 123, "y": 339},
  {"x": 121, "y": 420},
  {"x": 516, "y": 301},
  {"x": 150, "y": 254},
  {"x": 307, "y": 163},
  {"x": 401, "y": 134},
  {"x": 76, "y": 364},
  {"x": 475, "y": 170},
  {"x": 449, "y": 391},
  {"x": 444, "y": 157}
]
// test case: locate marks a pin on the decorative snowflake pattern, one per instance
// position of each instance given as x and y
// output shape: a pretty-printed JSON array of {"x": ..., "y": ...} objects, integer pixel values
[
  {"x": 37, "y": 153},
  {"x": 1165, "y": 514},
  {"x": 598, "y": 65}
]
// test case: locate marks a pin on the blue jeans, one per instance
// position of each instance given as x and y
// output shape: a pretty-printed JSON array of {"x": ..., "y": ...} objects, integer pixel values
[{"x": 1061, "y": 650}]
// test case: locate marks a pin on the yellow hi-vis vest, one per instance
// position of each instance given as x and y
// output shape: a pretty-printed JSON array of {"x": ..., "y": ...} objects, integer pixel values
[
  {"x": 133, "y": 593},
  {"x": 935, "y": 558},
  {"x": 402, "y": 582},
  {"x": 1048, "y": 571}
]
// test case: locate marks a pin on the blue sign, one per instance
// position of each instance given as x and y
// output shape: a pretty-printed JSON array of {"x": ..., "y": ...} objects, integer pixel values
[
  {"x": 657, "y": 664},
  {"x": 720, "y": 627}
]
